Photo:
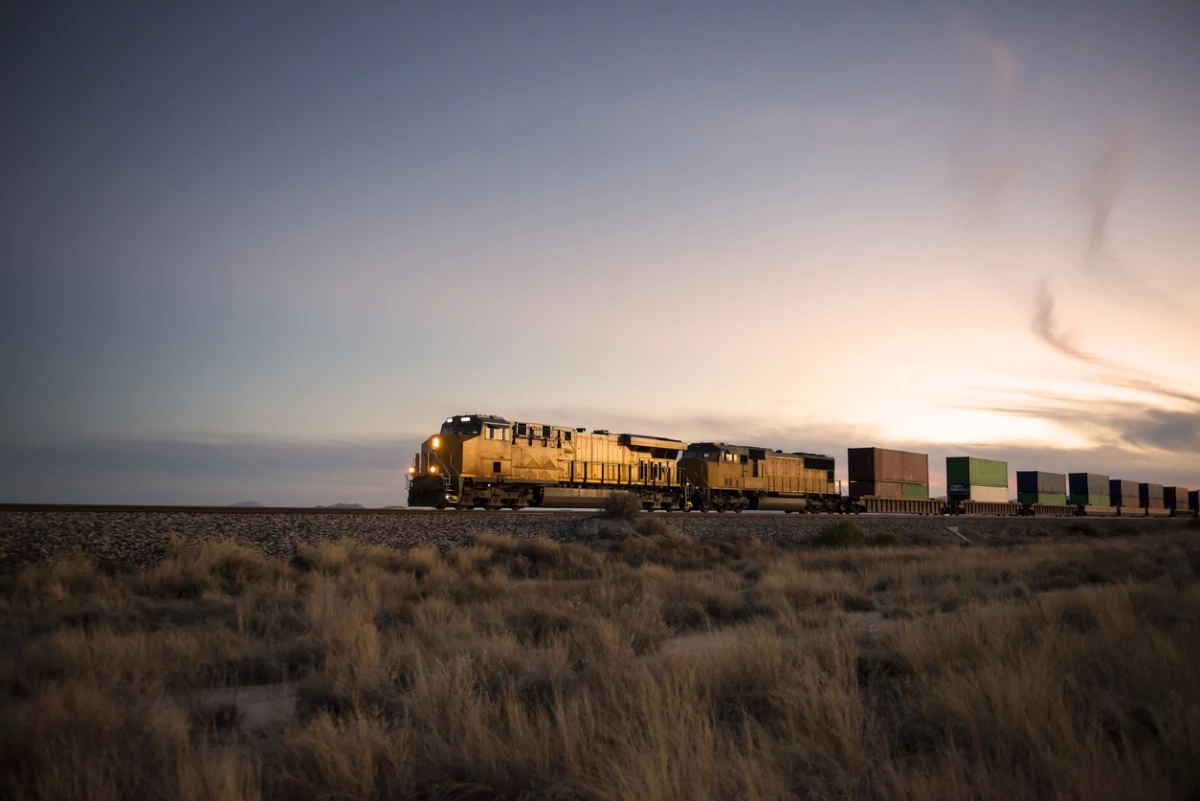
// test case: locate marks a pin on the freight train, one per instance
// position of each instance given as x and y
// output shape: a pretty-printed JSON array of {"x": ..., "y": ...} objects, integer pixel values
[{"x": 489, "y": 462}]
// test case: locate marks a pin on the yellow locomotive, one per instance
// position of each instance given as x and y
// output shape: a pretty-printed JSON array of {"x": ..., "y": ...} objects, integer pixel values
[
  {"x": 480, "y": 460},
  {"x": 736, "y": 477}
]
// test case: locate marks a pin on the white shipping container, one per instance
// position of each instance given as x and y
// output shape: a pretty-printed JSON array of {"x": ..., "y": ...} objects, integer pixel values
[{"x": 987, "y": 494}]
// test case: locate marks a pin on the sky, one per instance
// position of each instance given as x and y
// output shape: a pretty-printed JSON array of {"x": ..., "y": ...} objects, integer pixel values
[{"x": 259, "y": 251}]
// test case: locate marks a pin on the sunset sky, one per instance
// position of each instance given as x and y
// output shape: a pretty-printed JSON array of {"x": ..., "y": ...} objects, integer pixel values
[{"x": 259, "y": 251}]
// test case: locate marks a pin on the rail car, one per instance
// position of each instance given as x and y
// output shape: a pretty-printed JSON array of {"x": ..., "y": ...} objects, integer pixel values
[
  {"x": 489, "y": 462},
  {"x": 486, "y": 461},
  {"x": 904, "y": 506},
  {"x": 479, "y": 460},
  {"x": 732, "y": 478}
]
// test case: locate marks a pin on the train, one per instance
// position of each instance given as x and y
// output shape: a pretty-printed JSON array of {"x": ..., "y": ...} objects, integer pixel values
[{"x": 484, "y": 461}]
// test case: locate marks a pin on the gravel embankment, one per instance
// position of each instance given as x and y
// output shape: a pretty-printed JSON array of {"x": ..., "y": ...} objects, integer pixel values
[{"x": 143, "y": 538}]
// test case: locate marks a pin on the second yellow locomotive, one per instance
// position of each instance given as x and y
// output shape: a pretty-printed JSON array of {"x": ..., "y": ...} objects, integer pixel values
[{"x": 736, "y": 477}]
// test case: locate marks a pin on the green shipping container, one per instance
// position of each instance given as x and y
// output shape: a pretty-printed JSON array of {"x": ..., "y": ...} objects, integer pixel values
[
  {"x": 1091, "y": 500},
  {"x": 916, "y": 491},
  {"x": 1044, "y": 498},
  {"x": 968, "y": 470}
]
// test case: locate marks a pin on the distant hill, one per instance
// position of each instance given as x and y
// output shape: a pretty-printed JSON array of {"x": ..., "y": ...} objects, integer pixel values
[
  {"x": 247, "y": 503},
  {"x": 342, "y": 506}
]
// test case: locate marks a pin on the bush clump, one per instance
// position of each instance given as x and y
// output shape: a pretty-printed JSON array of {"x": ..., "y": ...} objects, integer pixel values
[
  {"x": 840, "y": 534},
  {"x": 621, "y": 505},
  {"x": 1084, "y": 528},
  {"x": 883, "y": 539}
]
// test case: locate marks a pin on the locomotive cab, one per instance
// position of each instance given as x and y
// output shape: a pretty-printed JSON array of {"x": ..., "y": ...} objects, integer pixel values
[{"x": 464, "y": 442}]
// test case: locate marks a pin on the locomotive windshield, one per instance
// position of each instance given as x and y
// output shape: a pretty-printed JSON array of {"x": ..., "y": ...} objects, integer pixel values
[{"x": 464, "y": 428}]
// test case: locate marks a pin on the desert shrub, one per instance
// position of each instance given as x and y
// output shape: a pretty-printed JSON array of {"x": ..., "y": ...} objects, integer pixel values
[
  {"x": 657, "y": 526},
  {"x": 736, "y": 674},
  {"x": 884, "y": 538},
  {"x": 1083, "y": 527},
  {"x": 840, "y": 534},
  {"x": 327, "y": 557},
  {"x": 622, "y": 505}
]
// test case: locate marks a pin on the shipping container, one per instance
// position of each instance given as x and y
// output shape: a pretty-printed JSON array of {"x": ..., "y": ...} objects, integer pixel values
[
  {"x": 876, "y": 489},
  {"x": 1043, "y": 498},
  {"x": 1175, "y": 498},
  {"x": 881, "y": 464},
  {"x": 971, "y": 471},
  {"x": 1038, "y": 482},
  {"x": 1194, "y": 500},
  {"x": 1122, "y": 489},
  {"x": 1093, "y": 500},
  {"x": 1090, "y": 484},
  {"x": 888, "y": 489},
  {"x": 1150, "y": 496},
  {"x": 978, "y": 492}
]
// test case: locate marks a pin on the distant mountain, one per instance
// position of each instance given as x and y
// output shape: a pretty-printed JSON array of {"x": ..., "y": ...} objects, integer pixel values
[
  {"x": 247, "y": 503},
  {"x": 342, "y": 506}
]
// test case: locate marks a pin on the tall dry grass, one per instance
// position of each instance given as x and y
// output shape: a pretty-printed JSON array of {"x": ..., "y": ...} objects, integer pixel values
[{"x": 646, "y": 666}]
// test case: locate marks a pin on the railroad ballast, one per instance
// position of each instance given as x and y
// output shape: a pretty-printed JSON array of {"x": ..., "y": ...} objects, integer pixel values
[{"x": 486, "y": 461}]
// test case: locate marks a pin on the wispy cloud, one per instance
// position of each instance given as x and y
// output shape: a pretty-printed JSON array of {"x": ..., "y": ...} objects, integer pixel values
[
  {"x": 980, "y": 161},
  {"x": 1046, "y": 326},
  {"x": 1123, "y": 425},
  {"x": 993, "y": 63},
  {"x": 1106, "y": 182}
]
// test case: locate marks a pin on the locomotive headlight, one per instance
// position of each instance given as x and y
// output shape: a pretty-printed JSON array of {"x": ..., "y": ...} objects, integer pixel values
[
  {"x": 412, "y": 470},
  {"x": 433, "y": 469},
  {"x": 436, "y": 442}
]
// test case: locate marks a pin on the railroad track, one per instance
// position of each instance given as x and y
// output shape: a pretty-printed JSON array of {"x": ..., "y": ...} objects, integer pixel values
[
  {"x": 241, "y": 510},
  {"x": 308, "y": 510},
  {"x": 69, "y": 508}
]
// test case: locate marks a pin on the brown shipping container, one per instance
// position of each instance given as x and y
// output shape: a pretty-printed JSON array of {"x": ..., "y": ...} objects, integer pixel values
[
  {"x": 876, "y": 489},
  {"x": 881, "y": 464}
]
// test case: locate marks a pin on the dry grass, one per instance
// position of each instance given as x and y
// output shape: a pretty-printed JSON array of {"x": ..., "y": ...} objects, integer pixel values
[{"x": 644, "y": 666}]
